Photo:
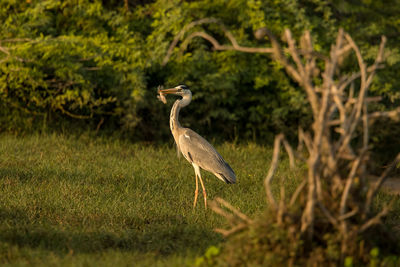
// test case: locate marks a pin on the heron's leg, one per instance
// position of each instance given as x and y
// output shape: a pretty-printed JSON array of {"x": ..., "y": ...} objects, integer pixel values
[
  {"x": 204, "y": 192},
  {"x": 196, "y": 192},
  {"x": 198, "y": 176}
]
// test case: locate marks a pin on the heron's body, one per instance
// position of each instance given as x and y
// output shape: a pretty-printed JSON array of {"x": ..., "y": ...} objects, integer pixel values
[
  {"x": 206, "y": 156},
  {"x": 195, "y": 149}
]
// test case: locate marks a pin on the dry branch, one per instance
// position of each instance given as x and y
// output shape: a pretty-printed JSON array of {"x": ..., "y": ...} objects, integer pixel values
[
  {"x": 327, "y": 214},
  {"x": 72, "y": 115},
  {"x": 290, "y": 152},
  {"x": 212, "y": 40},
  {"x": 376, "y": 219},
  {"x": 282, "y": 207},
  {"x": 239, "y": 227},
  {"x": 297, "y": 192},
  {"x": 271, "y": 171},
  {"x": 306, "y": 139},
  {"x": 235, "y": 211},
  {"x": 349, "y": 214},
  {"x": 393, "y": 114},
  {"x": 349, "y": 182},
  {"x": 217, "y": 209},
  {"x": 217, "y": 46},
  {"x": 334, "y": 161},
  {"x": 375, "y": 187},
  {"x": 182, "y": 32},
  {"x": 237, "y": 219}
]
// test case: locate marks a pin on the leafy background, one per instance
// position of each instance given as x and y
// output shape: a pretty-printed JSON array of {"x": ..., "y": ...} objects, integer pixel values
[{"x": 94, "y": 65}]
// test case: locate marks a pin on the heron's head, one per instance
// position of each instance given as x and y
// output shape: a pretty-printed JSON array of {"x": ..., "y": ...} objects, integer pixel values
[{"x": 181, "y": 90}]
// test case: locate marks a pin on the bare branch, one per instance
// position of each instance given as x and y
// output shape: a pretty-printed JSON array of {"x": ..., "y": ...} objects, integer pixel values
[
  {"x": 213, "y": 41},
  {"x": 349, "y": 182},
  {"x": 346, "y": 80},
  {"x": 182, "y": 32},
  {"x": 348, "y": 215},
  {"x": 307, "y": 219},
  {"x": 327, "y": 214},
  {"x": 378, "y": 60},
  {"x": 289, "y": 150},
  {"x": 296, "y": 193},
  {"x": 343, "y": 50},
  {"x": 374, "y": 188},
  {"x": 233, "y": 209},
  {"x": 206, "y": 36},
  {"x": 319, "y": 125},
  {"x": 376, "y": 219},
  {"x": 217, "y": 46},
  {"x": 393, "y": 114},
  {"x": 330, "y": 65},
  {"x": 280, "y": 57},
  {"x": 217, "y": 209},
  {"x": 306, "y": 139},
  {"x": 356, "y": 113},
  {"x": 272, "y": 169},
  {"x": 72, "y": 115},
  {"x": 335, "y": 106},
  {"x": 237, "y": 219},
  {"x": 339, "y": 104},
  {"x": 365, "y": 126},
  {"x": 239, "y": 227},
  {"x": 294, "y": 53},
  {"x": 281, "y": 208},
  {"x": 363, "y": 71},
  {"x": 303, "y": 79}
]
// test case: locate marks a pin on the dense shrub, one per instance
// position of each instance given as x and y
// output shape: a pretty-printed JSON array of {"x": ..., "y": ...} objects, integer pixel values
[
  {"x": 67, "y": 60},
  {"x": 267, "y": 244},
  {"x": 334, "y": 216},
  {"x": 99, "y": 62}
]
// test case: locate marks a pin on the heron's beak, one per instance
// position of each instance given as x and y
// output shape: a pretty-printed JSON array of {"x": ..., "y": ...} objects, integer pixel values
[{"x": 169, "y": 91}]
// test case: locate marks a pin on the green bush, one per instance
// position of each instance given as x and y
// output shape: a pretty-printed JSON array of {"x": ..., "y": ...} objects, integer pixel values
[
  {"x": 267, "y": 244},
  {"x": 88, "y": 62},
  {"x": 67, "y": 59}
]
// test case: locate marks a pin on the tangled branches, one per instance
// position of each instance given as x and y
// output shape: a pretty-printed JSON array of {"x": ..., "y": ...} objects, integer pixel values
[{"x": 335, "y": 189}]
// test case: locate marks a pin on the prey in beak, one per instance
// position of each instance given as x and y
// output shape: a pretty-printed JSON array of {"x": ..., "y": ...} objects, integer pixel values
[
  {"x": 161, "y": 95},
  {"x": 162, "y": 92}
]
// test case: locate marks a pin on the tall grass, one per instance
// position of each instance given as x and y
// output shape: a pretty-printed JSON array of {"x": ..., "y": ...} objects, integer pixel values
[{"x": 79, "y": 201}]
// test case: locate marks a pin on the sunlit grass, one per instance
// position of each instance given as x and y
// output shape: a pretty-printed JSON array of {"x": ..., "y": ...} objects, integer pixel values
[
  {"x": 69, "y": 201},
  {"x": 81, "y": 201}
]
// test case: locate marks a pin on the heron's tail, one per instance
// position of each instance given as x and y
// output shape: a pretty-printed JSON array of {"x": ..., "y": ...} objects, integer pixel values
[{"x": 228, "y": 175}]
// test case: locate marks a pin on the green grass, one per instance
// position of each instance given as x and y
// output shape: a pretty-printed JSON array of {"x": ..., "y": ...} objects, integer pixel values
[{"x": 78, "y": 201}]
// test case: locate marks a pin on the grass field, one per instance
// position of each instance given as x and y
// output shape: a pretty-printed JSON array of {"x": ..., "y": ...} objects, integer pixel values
[{"x": 83, "y": 202}]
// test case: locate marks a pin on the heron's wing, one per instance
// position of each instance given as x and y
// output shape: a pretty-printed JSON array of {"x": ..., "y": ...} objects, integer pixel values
[{"x": 197, "y": 150}]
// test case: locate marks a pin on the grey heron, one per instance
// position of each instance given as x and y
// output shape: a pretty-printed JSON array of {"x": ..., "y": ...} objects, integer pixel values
[{"x": 195, "y": 149}]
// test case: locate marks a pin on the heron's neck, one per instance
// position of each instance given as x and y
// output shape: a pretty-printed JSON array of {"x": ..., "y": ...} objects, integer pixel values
[{"x": 174, "y": 117}]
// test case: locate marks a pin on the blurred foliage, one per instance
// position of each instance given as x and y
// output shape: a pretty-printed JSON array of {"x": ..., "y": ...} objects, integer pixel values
[
  {"x": 97, "y": 63},
  {"x": 67, "y": 60},
  {"x": 267, "y": 244}
]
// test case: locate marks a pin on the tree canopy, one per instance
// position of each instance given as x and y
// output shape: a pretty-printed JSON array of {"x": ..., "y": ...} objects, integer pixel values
[{"x": 98, "y": 63}]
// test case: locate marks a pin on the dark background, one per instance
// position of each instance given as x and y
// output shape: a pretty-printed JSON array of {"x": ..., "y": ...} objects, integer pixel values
[{"x": 77, "y": 66}]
